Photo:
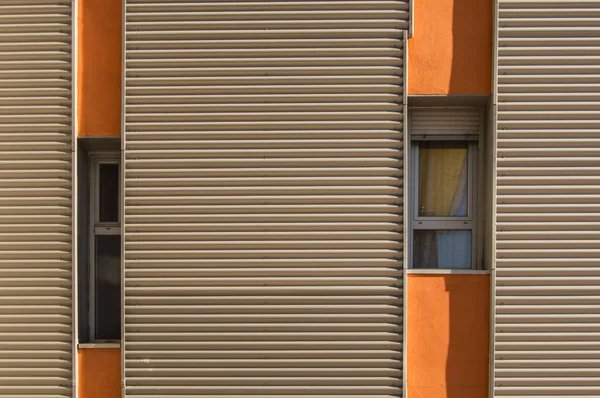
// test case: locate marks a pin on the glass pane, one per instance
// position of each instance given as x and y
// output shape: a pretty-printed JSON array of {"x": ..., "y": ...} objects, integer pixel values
[
  {"x": 108, "y": 287},
  {"x": 108, "y": 196},
  {"x": 441, "y": 248},
  {"x": 443, "y": 187}
]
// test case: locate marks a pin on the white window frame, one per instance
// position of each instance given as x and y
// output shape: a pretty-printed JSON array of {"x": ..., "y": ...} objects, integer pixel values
[
  {"x": 98, "y": 228},
  {"x": 472, "y": 220}
]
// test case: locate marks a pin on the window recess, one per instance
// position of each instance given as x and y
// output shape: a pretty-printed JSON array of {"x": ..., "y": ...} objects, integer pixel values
[
  {"x": 105, "y": 248},
  {"x": 444, "y": 188}
]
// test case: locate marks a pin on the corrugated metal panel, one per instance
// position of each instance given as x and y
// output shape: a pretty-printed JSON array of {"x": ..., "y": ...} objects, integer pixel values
[
  {"x": 445, "y": 121},
  {"x": 263, "y": 214},
  {"x": 548, "y": 210},
  {"x": 35, "y": 199}
]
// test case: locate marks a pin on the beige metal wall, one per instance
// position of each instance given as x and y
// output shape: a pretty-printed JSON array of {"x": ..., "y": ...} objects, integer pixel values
[
  {"x": 263, "y": 199},
  {"x": 35, "y": 199},
  {"x": 547, "y": 266}
]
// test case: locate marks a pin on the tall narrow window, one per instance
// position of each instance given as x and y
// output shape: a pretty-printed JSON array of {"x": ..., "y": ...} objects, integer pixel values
[
  {"x": 105, "y": 253},
  {"x": 444, "y": 196}
]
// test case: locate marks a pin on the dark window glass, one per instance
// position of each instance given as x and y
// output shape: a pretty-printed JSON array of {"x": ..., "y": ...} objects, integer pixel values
[
  {"x": 108, "y": 196},
  {"x": 108, "y": 287},
  {"x": 442, "y": 248}
]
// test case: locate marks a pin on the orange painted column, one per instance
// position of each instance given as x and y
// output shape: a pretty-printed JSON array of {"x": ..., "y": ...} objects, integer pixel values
[
  {"x": 99, "y": 373},
  {"x": 448, "y": 315},
  {"x": 99, "y": 67},
  {"x": 451, "y": 49},
  {"x": 448, "y": 336}
]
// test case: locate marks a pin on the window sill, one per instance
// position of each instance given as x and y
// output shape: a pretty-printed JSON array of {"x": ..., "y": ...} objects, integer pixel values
[
  {"x": 99, "y": 345},
  {"x": 433, "y": 271}
]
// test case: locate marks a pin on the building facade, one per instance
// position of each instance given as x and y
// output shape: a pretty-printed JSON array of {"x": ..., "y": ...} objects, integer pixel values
[{"x": 362, "y": 199}]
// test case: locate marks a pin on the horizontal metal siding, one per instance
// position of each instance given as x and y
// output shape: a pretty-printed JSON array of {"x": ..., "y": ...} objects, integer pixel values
[
  {"x": 263, "y": 214},
  {"x": 35, "y": 199},
  {"x": 548, "y": 257}
]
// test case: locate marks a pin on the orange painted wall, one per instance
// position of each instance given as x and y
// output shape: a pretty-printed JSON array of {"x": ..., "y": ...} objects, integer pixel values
[
  {"x": 99, "y": 67},
  {"x": 99, "y": 373},
  {"x": 448, "y": 336},
  {"x": 451, "y": 49}
]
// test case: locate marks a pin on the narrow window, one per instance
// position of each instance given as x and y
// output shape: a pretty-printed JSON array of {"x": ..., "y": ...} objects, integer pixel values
[
  {"x": 444, "y": 196},
  {"x": 105, "y": 253}
]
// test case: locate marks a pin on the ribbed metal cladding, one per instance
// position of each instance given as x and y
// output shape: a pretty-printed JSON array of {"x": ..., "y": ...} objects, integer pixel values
[
  {"x": 548, "y": 210},
  {"x": 263, "y": 214},
  {"x": 35, "y": 199}
]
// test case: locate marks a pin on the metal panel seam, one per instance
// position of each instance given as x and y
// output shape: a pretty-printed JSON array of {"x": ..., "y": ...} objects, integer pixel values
[
  {"x": 405, "y": 180},
  {"x": 411, "y": 20},
  {"x": 122, "y": 191},
  {"x": 74, "y": 202},
  {"x": 493, "y": 152}
]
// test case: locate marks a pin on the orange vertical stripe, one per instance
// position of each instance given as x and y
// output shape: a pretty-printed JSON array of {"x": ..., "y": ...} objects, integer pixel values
[
  {"x": 451, "y": 51},
  {"x": 99, "y": 373},
  {"x": 99, "y": 67},
  {"x": 448, "y": 336}
]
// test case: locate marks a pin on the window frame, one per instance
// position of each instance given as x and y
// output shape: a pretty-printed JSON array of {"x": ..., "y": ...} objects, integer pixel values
[
  {"x": 473, "y": 219},
  {"x": 98, "y": 228}
]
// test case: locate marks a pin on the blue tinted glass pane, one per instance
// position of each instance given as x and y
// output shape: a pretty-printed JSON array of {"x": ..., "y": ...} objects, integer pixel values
[{"x": 442, "y": 249}]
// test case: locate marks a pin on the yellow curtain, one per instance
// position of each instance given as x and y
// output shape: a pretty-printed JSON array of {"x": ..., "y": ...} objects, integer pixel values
[{"x": 440, "y": 179}]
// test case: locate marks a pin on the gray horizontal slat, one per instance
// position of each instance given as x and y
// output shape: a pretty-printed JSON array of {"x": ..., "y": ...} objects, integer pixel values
[
  {"x": 268, "y": 309},
  {"x": 287, "y": 33},
  {"x": 266, "y": 390},
  {"x": 264, "y": 372},
  {"x": 253, "y": 148},
  {"x": 163, "y": 25},
  {"x": 234, "y": 382},
  {"x": 262, "y": 15},
  {"x": 139, "y": 6}
]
